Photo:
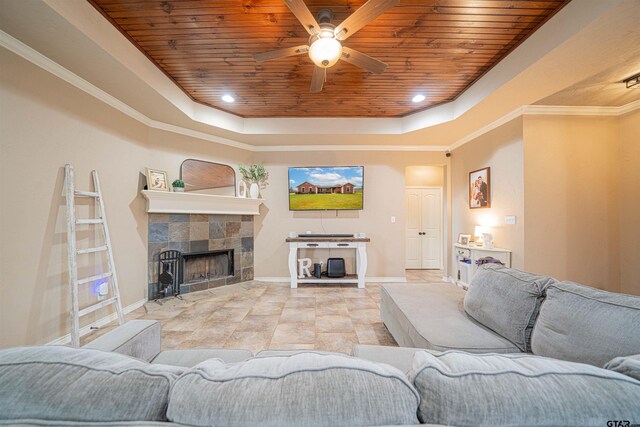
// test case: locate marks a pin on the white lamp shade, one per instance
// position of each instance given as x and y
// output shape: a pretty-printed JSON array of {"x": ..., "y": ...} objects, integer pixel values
[
  {"x": 480, "y": 230},
  {"x": 325, "y": 52}
]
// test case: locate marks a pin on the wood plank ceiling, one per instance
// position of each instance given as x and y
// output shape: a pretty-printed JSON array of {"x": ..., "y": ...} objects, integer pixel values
[{"x": 433, "y": 47}]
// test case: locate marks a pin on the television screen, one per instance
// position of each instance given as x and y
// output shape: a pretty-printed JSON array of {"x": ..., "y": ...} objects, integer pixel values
[{"x": 326, "y": 188}]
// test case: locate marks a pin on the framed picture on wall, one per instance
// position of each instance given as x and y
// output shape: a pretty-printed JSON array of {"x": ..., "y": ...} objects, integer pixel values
[
  {"x": 480, "y": 188},
  {"x": 157, "y": 180}
]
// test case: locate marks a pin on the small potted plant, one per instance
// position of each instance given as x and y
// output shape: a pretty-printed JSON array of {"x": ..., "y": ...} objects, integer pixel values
[
  {"x": 178, "y": 185},
  {"x": 257, "y": 176}
]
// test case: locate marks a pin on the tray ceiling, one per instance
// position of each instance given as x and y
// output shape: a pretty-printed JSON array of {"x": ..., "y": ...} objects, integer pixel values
[{"x": 433, "y": 47}]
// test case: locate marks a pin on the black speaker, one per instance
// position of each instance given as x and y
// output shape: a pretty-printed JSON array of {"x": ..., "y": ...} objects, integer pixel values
[{"x": 335, "y": 267}]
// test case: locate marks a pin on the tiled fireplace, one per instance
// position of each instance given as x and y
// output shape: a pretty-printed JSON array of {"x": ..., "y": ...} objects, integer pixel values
[{"x": 216, "y": 250}]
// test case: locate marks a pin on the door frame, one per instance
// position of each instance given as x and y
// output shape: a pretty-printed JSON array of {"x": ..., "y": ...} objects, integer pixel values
[{"x": 443, "y": 246}]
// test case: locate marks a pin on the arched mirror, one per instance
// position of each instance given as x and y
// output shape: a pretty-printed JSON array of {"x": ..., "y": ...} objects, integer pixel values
[{"x": 208, "y": 177}]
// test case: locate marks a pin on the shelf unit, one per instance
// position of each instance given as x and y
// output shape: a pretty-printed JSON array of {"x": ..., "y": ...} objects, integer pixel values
[
  {"x": 358, "y": 244},
  {"x": 474, "y": 253}
]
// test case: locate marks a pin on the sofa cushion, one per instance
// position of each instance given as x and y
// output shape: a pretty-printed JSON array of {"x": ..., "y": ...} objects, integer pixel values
[
  {"x": 629, "y": 366},
  {"x": 78, "y": 385},
  {"x": 432, "y": 316},
  {"x": 189, "y": 358},
  {"x": 586, "y": 325},
  {"x": 292, "y": 390},
  {"x": 507, "y": 301},
  {"x": 465, "y": 389}
]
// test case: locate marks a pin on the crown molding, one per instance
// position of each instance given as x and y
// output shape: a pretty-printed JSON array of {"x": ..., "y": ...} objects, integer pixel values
[
  {"x": 549, "y": 110},
  {"x": 285, "y": 148},
  {"x": 16, "y": 46}
]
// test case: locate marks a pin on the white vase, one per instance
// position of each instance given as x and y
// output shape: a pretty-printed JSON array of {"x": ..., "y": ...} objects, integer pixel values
[
  {"x": 254, "y": 190},
  {"x": 242, "y": 189},
  {"x": 178, "y": 189}
]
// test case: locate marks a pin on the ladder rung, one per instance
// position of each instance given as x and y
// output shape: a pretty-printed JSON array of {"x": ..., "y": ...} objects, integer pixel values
[
  {"x": 94, "y": 278},
  {"x": 97, "y": 306},
  {"x": 89, "y": 221},
  {"x": 92, "y": 250},
  {"x": 86, "y": 193}
]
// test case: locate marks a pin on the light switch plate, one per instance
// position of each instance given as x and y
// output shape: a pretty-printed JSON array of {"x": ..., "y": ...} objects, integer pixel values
[
  {"x": 393, "y": 219},
  {"x": 510, "y": 219}
]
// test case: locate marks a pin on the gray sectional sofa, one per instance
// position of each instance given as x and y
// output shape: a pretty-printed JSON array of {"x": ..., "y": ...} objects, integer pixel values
[
  {"x": 123, "y": 377},
  {"x": 510, "y": 311}
]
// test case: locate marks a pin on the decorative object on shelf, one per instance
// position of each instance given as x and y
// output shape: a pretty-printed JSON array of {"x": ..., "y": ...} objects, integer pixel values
[
  {"x": 157, "y": 180},
  {"x": 479, "y": 232},
  {"x": 178, "y": 186},
  {"x": 464, "y": 239},
  {"x": 303, "y": 267},
  {"x": 242, "y": 189},
  {"x": 208, "y": 177},
  {"x": 480, "y": 188},
  {"x": 487, "y": 238},
  {"x": 254, "y": 190},
  {"x": 257, "y": 176}
]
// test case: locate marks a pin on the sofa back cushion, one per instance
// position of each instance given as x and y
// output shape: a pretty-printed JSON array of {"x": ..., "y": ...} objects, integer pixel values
[
  {"x": 62, "y": 384},
  {"x": 586, "y": 325},
  {"x": 506, "y": 301},
  {"x": 464, "y": 389},
  {"x": 303, "y": 389}
]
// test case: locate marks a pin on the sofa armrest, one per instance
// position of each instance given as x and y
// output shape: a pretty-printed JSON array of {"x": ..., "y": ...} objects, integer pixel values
[{"x": 136, "y": 338}]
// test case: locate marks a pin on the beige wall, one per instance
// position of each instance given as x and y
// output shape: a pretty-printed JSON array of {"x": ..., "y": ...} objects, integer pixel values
[
  {"x": 424, "y": 176},
  {"x": 502, "y": 151},
  {"x": 629, "y": 179},
  {"x": 384, "y": 185},
  {"x": 46, "y": 123},
  {"x": 571, "y": 203}
]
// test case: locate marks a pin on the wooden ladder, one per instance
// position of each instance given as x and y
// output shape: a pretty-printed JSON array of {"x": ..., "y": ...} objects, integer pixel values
[{"x": 72, "y": 252}]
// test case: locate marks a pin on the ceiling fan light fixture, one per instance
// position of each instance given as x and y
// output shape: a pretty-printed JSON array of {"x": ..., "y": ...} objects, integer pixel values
[
  {"x": 325, "y": 52},
  {"x": 418, "y": 98}
]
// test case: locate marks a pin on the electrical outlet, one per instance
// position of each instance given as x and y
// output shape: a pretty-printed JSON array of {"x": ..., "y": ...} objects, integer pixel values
[{"x": 510, "y": 219}]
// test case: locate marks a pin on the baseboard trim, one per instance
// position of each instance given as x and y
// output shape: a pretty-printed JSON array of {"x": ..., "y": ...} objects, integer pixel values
[
  {"x": 66, "y": 339},
  {"x": 401, "y": 279}
]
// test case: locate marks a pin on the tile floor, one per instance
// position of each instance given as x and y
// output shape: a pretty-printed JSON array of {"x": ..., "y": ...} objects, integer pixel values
[{"x": 258, "y": 315}]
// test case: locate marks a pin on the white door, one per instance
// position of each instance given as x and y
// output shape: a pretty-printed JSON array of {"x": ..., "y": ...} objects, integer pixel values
[{"x": 424, "y": 228}]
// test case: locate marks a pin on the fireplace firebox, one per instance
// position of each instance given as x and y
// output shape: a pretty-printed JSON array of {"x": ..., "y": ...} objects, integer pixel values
[{"x": 186, "y": 272}]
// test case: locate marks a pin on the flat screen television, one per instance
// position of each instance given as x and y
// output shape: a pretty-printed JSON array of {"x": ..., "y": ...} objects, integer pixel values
[{"x": 324, "y": 188}]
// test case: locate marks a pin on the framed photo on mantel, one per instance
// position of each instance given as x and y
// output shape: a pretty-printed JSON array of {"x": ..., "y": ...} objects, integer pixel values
[
  {"x": 480, "y": 188},
  {"x": 157, "y": 180}
]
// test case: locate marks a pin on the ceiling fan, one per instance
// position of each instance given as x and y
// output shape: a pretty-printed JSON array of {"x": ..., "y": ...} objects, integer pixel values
[{"x": 324, "y": 46}]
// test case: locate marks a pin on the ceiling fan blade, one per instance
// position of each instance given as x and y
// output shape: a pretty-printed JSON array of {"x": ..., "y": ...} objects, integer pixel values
[
  {"x": 361, "y": 17},
  {"x": 301, "y": 11},
  {"x": 281, "y": 53},
  {"x": 317, "y": 80},
  {"x": 363, "y": 61}
]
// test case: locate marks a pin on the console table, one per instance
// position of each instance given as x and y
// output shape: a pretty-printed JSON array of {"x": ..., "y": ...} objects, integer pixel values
[
  {"x": 358, "y": 244},
  {"x": 464, "y": 273}
]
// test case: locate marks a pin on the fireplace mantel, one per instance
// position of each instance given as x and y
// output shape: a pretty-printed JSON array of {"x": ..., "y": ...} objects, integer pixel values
[{"x": 198, "y": 203}]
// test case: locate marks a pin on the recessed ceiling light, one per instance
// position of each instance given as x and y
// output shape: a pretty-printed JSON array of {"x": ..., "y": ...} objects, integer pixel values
[
  {"x": 419, "y": 98},
  {"x": 228, "y": 98}
]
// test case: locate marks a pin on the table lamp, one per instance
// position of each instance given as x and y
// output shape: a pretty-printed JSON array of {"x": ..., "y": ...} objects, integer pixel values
[{"x": 479, "y": 232}]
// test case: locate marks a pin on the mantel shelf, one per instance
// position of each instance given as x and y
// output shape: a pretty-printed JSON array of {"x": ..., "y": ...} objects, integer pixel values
[{"x": 198, "y": 203}]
